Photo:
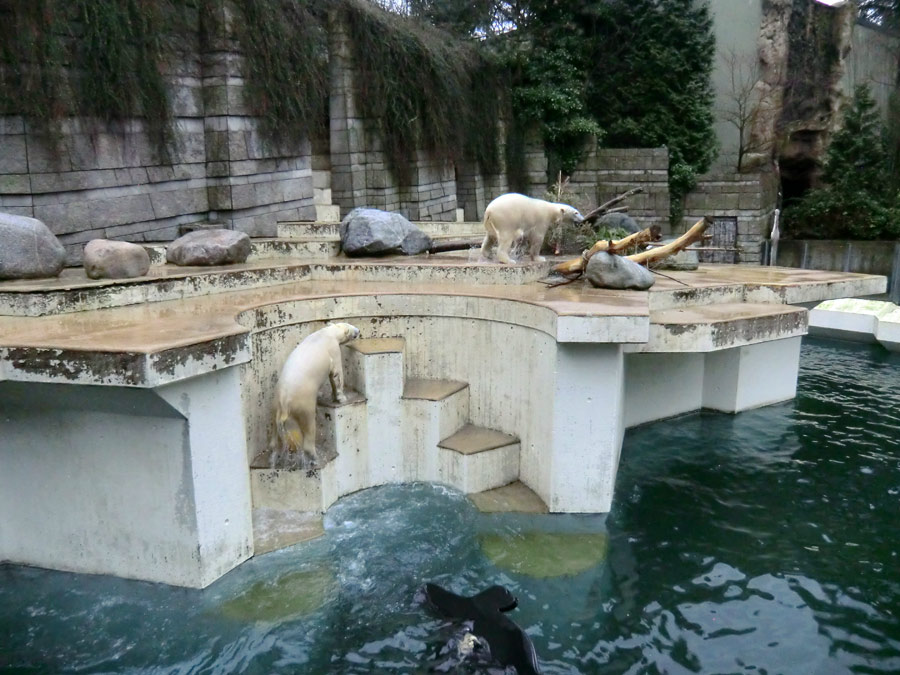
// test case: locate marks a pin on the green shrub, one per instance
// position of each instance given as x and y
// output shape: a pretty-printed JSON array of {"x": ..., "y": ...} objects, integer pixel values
[
  {"x": 857, "y": 200},
  {"x": 830, "y": 213}
]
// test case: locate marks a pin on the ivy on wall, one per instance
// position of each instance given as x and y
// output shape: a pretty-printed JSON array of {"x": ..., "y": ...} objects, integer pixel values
[
  {"x": 285, "y": 48},
  {"x": 89, "y": 58},
  {"x": 421, "y": 88}
]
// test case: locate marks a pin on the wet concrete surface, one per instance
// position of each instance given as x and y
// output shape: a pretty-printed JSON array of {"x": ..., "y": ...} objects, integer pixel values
[{"x": 156, "y": 326}]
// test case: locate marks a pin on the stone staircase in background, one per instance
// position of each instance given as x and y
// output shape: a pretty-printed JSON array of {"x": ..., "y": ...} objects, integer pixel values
[
  {"x": 320, "y": 240},
  {"x": 390, "y": 430}
]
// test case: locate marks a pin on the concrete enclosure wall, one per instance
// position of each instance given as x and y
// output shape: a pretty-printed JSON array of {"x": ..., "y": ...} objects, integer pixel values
[{"x": 866, "y": 257}]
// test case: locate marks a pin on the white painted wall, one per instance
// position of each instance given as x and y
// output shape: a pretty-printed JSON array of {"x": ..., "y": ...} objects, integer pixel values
[{"x": 111, "y": 480}]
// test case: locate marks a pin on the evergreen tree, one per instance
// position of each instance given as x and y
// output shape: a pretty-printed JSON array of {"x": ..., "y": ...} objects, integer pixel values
[
  {"x": 856, "y": 158},
  {"x": 857, "y": 200}
]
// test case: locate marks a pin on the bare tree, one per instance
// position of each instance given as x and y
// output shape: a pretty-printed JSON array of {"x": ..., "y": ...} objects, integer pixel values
[{"x": 746, "y": 105}]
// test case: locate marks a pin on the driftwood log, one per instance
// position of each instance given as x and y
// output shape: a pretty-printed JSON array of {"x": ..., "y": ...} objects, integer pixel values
[
  {"x": 577, "y": 265},
  {"x": 685, "y": 240},
  {"x": 606, "y": 207}
]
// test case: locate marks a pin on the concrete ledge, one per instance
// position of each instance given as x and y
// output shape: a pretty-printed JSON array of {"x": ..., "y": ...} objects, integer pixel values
[
  {"x": 857, "y": 320},
  {"x": 723, "y": 326}
]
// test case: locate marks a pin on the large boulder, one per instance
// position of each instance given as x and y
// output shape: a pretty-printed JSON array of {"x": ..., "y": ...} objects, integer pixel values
[
  {"x": 105, "y": 259},
  {"x": 619, "y": 220},
  {"x": 366, "y": 232},
  {"x": 614, "y": 271},
  {"x": 209, "y": 247},
  {"x": 28, "y": 249}
]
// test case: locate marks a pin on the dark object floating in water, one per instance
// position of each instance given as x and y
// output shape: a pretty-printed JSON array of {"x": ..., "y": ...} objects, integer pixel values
[{"x": 509, "y": 644}]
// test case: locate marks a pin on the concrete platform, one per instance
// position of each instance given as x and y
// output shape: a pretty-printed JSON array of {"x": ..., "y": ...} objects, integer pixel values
[{"x": 154, "y": 395}]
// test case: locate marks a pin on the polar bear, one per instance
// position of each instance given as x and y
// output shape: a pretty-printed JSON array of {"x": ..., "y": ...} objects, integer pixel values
[
  {"x": 316, "y": 357},
  {"x": 513, "y": 215}
]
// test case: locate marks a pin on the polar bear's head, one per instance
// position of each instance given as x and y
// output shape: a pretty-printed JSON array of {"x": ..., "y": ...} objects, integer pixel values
[
  {"x": 569, "y": 214},
  {"x": 344, "y": 332}
]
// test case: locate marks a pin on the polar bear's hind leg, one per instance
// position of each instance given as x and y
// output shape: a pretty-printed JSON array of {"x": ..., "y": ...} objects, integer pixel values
[
  {"x": 504, "y": 245},
  {"x": 490, "y": 238}
]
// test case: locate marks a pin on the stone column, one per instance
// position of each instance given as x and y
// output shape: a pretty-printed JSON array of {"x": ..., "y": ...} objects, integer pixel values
[{"x": 751, "y": 376}]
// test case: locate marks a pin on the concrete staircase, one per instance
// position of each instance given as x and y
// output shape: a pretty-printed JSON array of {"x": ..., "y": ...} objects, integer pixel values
[{"x": 390, "y": 430}]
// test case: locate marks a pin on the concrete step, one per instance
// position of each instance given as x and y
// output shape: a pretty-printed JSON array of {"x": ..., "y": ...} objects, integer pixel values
[
  {"x": 286, "y": 483},
  {"x": 475, "y": 459},
  {"x": 274, "y": 529},
  {"x": 432, "y": 410},
  {"x": 324, "y": 229},
  {"x": 374, "y": 367},
  {"x": 513, "y": 498},
  {"x": 328, "y": 211},
  {"x": 268, "y": 249}
]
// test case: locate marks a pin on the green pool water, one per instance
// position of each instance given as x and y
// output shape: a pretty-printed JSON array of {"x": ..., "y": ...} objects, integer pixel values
[{"x": 765, "y": 542}]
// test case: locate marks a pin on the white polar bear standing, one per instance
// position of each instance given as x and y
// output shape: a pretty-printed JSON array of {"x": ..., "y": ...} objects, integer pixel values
[
  {"x": 513, "y": 215},
  {"x": 316, "y": 357}
]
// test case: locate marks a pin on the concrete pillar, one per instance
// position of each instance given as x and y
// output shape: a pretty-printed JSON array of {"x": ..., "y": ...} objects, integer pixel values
[
  {"x": 137, "y": 483},
  {"x": 587, "y": 427},
  {"x": 662, "y": 385},
  {"x": 751, "y": 376}
]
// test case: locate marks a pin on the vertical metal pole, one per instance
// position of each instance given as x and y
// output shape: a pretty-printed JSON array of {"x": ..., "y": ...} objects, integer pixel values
[{"x": 894, "y": 287}]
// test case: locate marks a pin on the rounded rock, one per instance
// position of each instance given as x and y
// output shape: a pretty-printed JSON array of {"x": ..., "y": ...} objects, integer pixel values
[
  {"x": 105, "y": 259},
  {"x": 209, "y": 247},
  {"x": 28, "y": 249}
]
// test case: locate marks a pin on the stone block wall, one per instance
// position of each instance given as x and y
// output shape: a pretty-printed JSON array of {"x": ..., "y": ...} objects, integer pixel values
[
  {"x": 617, "y": 170},
  {"x": 605, "y": 173},
  {"x": 109, "y": 181},
  {"x": 360, "y": 176},
  {"x": 750, "y": 198}
]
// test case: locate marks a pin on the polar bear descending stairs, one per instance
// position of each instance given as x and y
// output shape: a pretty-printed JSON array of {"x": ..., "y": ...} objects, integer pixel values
[{"x": 393, "y": 430}]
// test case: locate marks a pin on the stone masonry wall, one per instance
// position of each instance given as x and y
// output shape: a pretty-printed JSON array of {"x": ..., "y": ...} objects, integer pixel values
[
  {"x": 107, "y": 181},
  {"x": 360, "y": 174},
  {"x": 605, "y": 173},
  {"x": 750, "y": 198},
  {"x": 617, "y": 170}
]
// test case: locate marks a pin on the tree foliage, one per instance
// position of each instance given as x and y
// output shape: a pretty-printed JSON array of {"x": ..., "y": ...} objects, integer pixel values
[
  {"x": 857, "y": 200},
  {"x": 634, "y": 73},
  {"x": 650, "y": 81}
]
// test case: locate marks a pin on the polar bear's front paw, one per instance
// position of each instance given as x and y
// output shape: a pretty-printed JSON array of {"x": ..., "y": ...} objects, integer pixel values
[
  {"x": 340, "y": 397},
  {"x": 539, "y": 258}
]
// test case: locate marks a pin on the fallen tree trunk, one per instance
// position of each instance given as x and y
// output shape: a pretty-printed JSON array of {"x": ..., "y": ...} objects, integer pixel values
[
  {"x": 577, "y": 265},
  {"x": 685, "y": 240}
]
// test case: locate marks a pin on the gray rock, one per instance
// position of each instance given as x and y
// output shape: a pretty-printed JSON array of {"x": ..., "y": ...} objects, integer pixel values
[
  {"x": 620, "y": 220},
  {"x": 106, "y": 259},
  {"x": 614, "y": 271},
  {"x": 28, "y": 249},
  {"x": 209, "y": 247},
  {"x": 367, "y": 232}
]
